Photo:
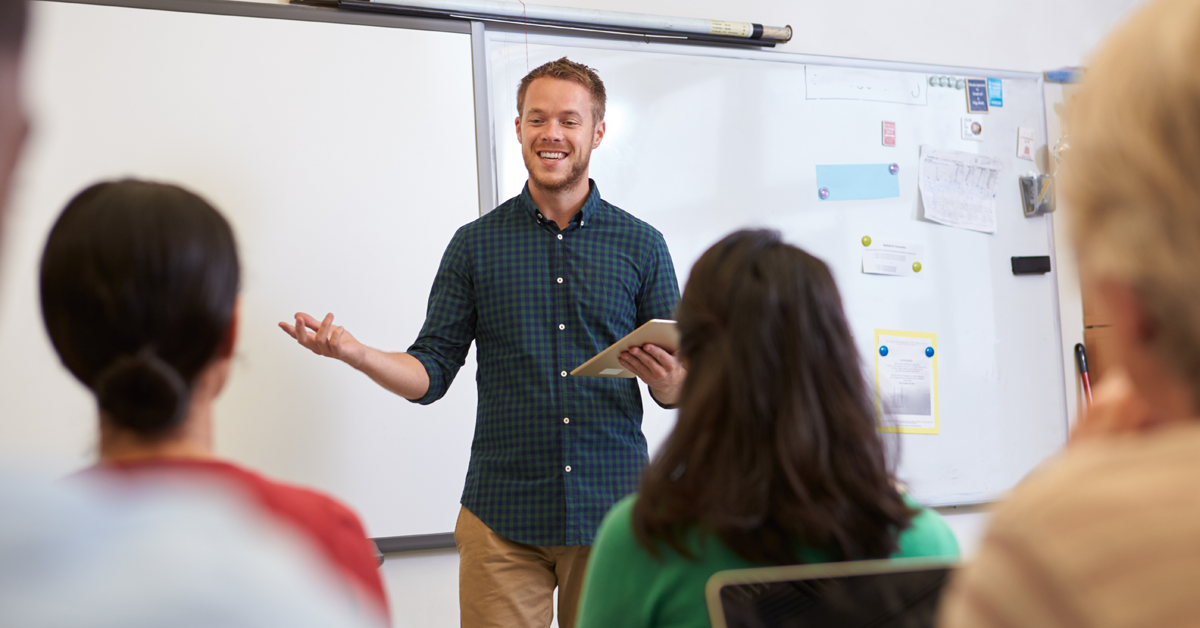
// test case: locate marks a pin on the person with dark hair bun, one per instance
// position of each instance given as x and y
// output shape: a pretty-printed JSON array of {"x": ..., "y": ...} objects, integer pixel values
[
  {"x": 139, "y": 290},
  {"x": 775, "y": 458}
]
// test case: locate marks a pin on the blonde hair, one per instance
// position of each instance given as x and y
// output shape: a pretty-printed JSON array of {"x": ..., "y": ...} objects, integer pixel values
[{"x": 1131, "y": 180}]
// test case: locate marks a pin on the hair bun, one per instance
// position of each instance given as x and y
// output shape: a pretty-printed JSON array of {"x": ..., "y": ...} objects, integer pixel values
[{"x": 143, "y": 393}]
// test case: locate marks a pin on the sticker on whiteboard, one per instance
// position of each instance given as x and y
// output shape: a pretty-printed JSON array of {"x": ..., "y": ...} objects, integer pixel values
[
  {"x": 977, "y": 96},
  {"x": 995, "y": 92},
  {"x": 973, "y": 129},
  {"x": 906, "y": 389},
  {"x": 889, "y": 133},
  {"x": 1025, "y": 143}
]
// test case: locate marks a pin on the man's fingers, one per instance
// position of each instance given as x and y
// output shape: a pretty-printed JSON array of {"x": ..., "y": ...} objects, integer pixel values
[
  {"x": 307, "y": 320},
  {"x": 323, "y": 331},
  {"x": 291, "y": 331},
  {"x": 663, "y": 356},
  {"x": 631, "y": 364},
  {"x": 640, "y": 365},
  {"x": 302, "y": 334},
  {"x": 658, "y": 352},
  {"x": 651, "y": 363}
]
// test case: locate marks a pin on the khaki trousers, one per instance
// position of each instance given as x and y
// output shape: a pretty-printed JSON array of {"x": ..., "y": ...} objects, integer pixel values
[{"x": 502, "y": 584}]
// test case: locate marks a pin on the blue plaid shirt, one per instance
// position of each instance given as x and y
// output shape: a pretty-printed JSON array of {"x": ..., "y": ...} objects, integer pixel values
[{"x": 551, "y": 453}]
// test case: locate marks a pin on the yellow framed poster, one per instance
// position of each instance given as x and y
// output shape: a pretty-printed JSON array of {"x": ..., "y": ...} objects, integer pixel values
[{"x": 906, "y": 382}]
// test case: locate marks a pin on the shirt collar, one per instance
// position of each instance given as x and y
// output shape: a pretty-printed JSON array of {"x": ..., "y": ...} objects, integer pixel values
[{"x": 585, "y": 215}]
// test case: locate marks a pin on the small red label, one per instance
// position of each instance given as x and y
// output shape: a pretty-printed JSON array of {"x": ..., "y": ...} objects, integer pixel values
[{"x": 889, "y": 133}]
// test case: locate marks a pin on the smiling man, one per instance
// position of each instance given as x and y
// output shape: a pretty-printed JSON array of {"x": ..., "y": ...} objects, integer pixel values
[{"x": 542, "y": 283}]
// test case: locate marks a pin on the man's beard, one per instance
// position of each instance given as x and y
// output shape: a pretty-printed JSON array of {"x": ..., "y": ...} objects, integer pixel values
[{"x": 574, "y": 176}]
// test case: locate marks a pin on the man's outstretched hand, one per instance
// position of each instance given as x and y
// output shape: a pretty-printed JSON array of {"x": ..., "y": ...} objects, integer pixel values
[
  {"x": 662, "y": 371},
  {"x": 327, "y": 339}
]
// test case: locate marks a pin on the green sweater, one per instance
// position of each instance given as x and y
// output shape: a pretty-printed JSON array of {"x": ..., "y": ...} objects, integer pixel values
[{"x": 625, "y": 587}]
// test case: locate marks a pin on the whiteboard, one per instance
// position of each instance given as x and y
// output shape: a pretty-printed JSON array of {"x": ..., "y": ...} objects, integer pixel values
[
  {"x": 703, "y": 141},
  {"x": 343, "y": 155}
]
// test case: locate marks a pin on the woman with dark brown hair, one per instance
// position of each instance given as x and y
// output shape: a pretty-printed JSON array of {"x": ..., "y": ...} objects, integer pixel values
[
  {"x": 139, "y": 289},
  {"x": 775, "y": 457}
]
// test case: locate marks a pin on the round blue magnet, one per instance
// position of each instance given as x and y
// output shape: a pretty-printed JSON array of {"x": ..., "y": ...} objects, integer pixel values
[
  {"x": 894, "y": 168},
  {"x": 883, "y": 351},
  {"x": 929, "y": 352},
  {"x": 823, "y": 193}
]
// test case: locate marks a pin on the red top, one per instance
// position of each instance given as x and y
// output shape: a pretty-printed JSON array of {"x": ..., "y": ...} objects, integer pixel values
[{"x": 332, "y": 527}]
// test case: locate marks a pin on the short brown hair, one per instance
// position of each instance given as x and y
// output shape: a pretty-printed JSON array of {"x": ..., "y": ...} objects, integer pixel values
[
  {"x": 1131, "y": 180},
  {"x": 567, "y": 70}
]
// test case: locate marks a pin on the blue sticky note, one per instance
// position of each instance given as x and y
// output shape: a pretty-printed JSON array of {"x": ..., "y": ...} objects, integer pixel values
[
  {"x": 995, "y": 92},
  {"x": 858, "y": 182},
  {"x": 977, "y": 96}
]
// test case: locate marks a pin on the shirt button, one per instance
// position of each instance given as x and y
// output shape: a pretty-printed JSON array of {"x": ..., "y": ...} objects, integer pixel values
[
  {"x": 562, "y": 327},
  {"x": 566, "y": 419},
  {"x": 568, "y": 468},
  {"x": 564, "y": 373},
  {"x": 560, "y": 236},
  {"x": 540, "y": 216},
  {"x": 560, "y": 280}
]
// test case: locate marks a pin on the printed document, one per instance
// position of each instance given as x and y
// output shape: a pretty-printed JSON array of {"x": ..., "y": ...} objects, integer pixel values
[
  {"x": 891, "y": 257},
  {"x": 906, "y": 381},
  {"x": 959, "y": 189}
]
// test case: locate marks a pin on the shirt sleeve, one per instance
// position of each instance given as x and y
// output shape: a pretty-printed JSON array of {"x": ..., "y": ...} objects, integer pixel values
[
  {"x": 659, "y": 292},
  {"x": 450, "y": 319},
  {"x": 618, "y": 585}
]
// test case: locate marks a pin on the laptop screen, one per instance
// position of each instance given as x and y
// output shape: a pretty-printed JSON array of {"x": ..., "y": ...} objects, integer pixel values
[{"x": 874, "y": 594}]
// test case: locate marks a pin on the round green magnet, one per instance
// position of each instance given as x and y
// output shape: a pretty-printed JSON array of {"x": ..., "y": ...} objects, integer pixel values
[
  {"x": 916, "y": 267},
  {"x": 866, "y": 240}
]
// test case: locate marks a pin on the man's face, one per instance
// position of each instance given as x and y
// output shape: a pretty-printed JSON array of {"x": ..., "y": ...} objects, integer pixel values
[
  {"x": 557, "y": 133},
  {"x": 13, "y": 125}
]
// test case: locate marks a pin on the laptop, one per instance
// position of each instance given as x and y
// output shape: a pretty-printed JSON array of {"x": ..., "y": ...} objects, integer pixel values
[{"x": 902, "y": 592}]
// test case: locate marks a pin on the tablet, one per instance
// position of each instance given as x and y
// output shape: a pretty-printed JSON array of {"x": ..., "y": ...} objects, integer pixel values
[{"x": 655, "y": 332}]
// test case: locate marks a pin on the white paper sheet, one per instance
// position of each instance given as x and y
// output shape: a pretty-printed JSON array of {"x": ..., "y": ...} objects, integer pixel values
[
  {"x": 906, "y": 382},
  {"x": 837, "y": 83},
  {"x": 959, "y": 189},
  {"x": 891, "y": 257}
]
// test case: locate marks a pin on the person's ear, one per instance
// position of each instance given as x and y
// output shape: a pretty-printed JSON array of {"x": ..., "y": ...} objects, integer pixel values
[
  {"x": 518, "y": 123},
  {"x": 225, "y": 350},
  {"x": 598, "y": 135},
  {"x": 1133, "y": 329}
]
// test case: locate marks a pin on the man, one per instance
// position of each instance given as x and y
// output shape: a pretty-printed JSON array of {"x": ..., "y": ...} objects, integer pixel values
[{"x": 542, "y": 283}]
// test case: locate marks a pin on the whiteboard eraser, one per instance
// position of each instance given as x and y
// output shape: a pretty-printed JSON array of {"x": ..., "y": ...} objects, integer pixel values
[{"x": 1037, "y": 265}]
